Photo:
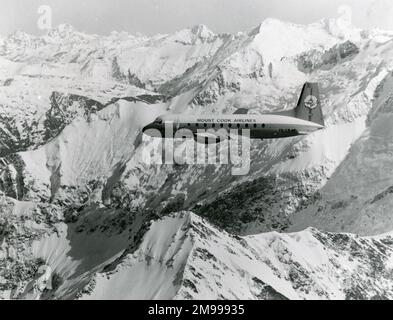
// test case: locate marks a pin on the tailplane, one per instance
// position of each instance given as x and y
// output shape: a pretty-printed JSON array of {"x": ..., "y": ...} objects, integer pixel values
[{"x": 309, "y": 104}]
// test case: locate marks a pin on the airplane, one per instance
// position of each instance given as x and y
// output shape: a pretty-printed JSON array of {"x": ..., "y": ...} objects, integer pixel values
[{"x": 305, "y": 118}]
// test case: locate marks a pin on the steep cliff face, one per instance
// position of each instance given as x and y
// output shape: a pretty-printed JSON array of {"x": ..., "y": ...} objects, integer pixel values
[{"x": 78, "y": 197}]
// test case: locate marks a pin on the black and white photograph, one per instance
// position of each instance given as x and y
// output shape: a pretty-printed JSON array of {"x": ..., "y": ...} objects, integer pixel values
[{"x": 209, "y": 152}]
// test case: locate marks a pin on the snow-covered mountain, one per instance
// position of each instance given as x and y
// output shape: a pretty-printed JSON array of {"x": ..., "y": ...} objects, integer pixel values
[
  {"x": 82, "y": 215},
  {"x": 183, "y": 257}
]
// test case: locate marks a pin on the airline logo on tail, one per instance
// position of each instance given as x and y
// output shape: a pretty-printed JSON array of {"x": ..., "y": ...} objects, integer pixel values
[{"x": 311, "y": 102}]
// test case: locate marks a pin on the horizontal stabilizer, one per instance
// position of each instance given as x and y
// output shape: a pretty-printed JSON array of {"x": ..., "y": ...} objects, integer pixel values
[{"x": 241, "y": 111}]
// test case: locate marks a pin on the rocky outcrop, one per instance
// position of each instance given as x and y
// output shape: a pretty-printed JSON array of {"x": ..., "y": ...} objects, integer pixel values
[{"x": 325, "y": 60}]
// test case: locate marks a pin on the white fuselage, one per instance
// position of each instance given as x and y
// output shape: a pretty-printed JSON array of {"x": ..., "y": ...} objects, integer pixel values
[{"x": 263, "y": 126}]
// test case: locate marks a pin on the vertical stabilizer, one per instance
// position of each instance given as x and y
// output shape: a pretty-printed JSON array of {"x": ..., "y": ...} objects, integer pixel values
[{"x": 309, "y": 104}]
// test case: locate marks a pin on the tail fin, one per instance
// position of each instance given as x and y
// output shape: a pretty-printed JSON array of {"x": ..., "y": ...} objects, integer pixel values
[{"x": 309, "y": 104}]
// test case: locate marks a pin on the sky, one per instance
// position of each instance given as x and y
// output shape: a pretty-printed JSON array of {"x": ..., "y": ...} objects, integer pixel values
[{"x": 165, "y": 16}]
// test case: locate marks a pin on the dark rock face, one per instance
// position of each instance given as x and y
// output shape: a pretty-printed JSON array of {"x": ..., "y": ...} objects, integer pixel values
[
  {"x": 218, "y": 87},
  {"x": 15, "y": 271},
  {"x": 267, "y": 292},
  {"x": 310, "y": 61},
  {"x": 8, "y": 82},
  {"x": 373, "y": 256},
  {"x": 12, "y": 140},
  {"x": 135, "y": 81},
  {"x": 63, "y": 111},
  {"x": 12, "y": 177},
  {"x": 116, "y": 72},
  {"x": 256, "y": 201},
  {"x": 382, "y": 195}
]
